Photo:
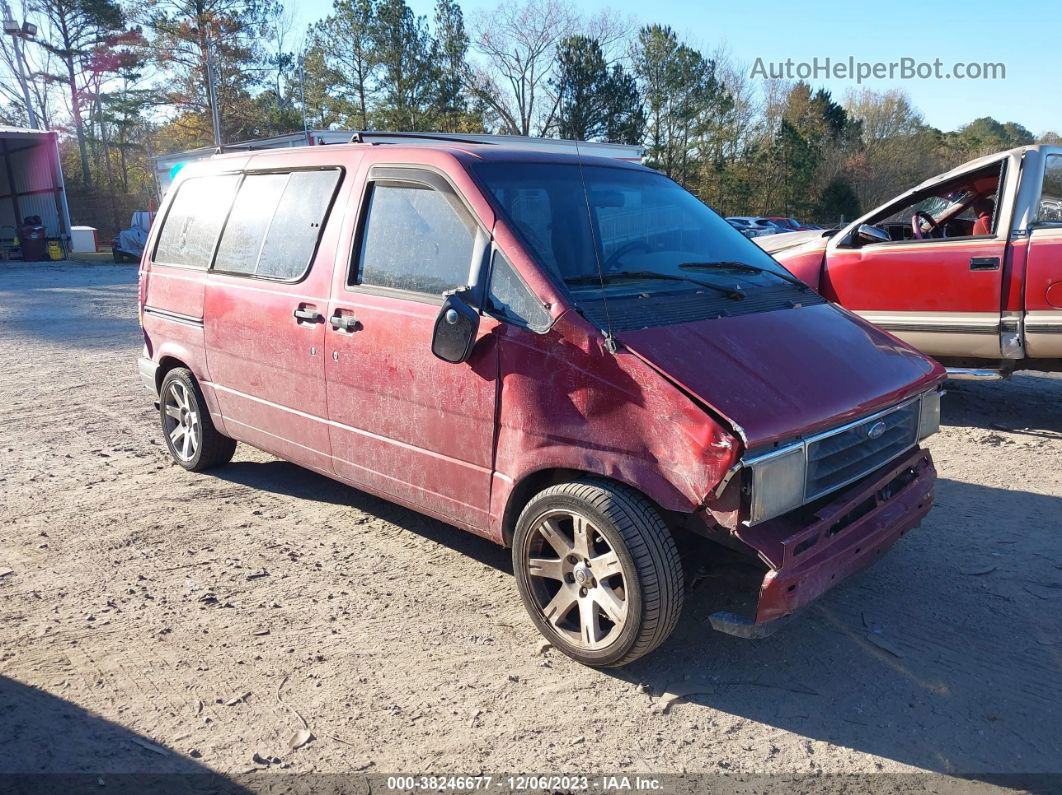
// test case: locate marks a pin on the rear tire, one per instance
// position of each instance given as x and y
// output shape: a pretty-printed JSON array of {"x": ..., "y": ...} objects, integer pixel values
[
  {"x": 187, "y": 429},
  {"x": 598, "y": 571}
]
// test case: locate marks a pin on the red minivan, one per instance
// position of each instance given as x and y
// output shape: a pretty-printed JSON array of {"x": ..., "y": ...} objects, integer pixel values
[{"x": 569, "y": 355}]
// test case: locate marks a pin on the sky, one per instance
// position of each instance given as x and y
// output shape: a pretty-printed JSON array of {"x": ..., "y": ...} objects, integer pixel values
[{"x": 968, "y": 32}]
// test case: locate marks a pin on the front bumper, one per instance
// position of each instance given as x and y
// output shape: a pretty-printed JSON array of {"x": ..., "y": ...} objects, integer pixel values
[{"x": 810, "y": 551}]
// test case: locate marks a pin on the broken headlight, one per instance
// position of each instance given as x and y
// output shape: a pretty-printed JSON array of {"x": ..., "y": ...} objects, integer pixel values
[
  {"x": 777, "y": 483},
  {"x": 929, "y": 414}
]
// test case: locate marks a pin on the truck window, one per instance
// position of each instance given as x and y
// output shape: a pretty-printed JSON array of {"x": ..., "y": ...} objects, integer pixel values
[
  {"x": 194, "y": 220},
  {"x": 415, "y": 239},
  {"x": 275, "y": 224},
  {"x": 1051, "y": 194}
]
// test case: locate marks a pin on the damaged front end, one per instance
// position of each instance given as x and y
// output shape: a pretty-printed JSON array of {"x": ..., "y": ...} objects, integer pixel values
[{"x": 859, "y": 489}]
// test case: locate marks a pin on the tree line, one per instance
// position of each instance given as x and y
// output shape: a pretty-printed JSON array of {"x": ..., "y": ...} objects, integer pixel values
[{"x": 125, "y": 81}]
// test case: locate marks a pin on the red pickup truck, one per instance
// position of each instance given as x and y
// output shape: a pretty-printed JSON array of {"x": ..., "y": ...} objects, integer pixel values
[{"x": 967, "y": 266}]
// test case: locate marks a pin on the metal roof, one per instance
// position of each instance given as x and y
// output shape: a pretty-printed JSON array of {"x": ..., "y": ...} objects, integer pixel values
[{"x": 16, "y": 132}]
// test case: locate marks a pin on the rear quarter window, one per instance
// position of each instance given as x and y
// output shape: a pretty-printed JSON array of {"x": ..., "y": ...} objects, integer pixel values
[
  {"x": 195, "y": 218},
  {"x": 275, "y": 223}
]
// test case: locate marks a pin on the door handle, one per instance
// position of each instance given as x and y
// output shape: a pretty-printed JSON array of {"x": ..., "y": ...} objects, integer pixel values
[
  {"x": 984, "y": 263},
  {"x": 347, "y": 323},
  {"x": 308, "y": 316}
]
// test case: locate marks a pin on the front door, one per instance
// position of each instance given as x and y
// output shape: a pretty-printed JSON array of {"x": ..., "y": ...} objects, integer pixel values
[
  {"x": 941, "y": 293},
  {"x": 265, "y": 304},
  {"x": 404, "y": 423}
]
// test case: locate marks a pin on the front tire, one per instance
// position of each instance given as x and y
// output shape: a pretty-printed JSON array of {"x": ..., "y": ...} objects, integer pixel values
[
  {"x": 187, "y": 429},
  {"x": 598, "y": 571}
]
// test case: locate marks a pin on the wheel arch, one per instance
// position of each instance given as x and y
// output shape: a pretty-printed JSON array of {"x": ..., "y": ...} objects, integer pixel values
[
  {"x": 166, "y": 363},
  {"x": 534, "y": 482},
  {"x": 171, "y": 359}
]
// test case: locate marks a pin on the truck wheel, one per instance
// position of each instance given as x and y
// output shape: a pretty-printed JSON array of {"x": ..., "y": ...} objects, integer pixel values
[
  {"x": 190, "y": 436},
  {"x": 598, "y": 571}
]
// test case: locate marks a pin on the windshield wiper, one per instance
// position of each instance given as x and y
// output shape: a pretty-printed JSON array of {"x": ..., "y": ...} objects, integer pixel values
[
  {"x": 742, "y": 266},
  {"x": 735, "y": 295}
]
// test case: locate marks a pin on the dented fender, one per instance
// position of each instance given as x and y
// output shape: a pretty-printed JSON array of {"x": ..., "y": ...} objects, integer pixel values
[{"x": 565, "y": 402}]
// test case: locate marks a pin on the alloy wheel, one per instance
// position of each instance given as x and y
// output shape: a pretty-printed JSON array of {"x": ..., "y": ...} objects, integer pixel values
[
  {"x": 182, "y": 421},
  {"x": 577, "y": 581}
]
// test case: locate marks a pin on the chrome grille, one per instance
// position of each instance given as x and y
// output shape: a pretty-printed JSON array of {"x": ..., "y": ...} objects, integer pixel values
[{"x": 836, "y": 459}]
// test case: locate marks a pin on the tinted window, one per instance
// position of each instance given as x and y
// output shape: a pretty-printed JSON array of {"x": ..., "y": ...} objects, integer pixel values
[
  {"x": 415, "y": 238},
  {"x": 1051, "y": 195},
  {"x": 275, "y": 223},
  {"x": 508, "y": 296},
  {"x": 194, "y": 220}
]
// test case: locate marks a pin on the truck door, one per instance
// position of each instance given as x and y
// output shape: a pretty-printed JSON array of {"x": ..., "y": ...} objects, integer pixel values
[
  {"x": 941, "y": 294},
  {"x": 404, "y": 423},
  {"x": 1043, "y": 270},
  {"x": 264, "y": 318}
]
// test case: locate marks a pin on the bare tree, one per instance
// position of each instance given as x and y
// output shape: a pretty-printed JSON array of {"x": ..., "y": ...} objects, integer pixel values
[
  {"x": 518, "y": 42},
  {"x": 899, "y": 150}
]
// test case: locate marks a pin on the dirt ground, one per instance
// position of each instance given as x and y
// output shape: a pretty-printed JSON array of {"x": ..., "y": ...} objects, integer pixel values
[{"x": 155, "y": 619}]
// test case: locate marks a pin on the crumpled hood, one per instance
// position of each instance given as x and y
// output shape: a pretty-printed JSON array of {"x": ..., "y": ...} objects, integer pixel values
[{"x": 777, "y": 375}]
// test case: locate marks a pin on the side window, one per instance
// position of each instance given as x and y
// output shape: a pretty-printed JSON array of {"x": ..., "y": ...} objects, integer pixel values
[
  {"x": 508, "y": 296},
  {"x": 292, "y": 238},
  {"x": 1051, "y": 194},
  {"x": 194, "y": 220},
  {"x": 415, "y": 238},
  {"x": 251, "y": 215},
  {"x": 275, "y": 223}
]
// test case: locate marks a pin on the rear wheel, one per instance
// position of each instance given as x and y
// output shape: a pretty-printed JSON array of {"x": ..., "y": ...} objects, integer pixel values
[
  {"x": 598, "y": 571},
  {"x": 190, "y": 435}
]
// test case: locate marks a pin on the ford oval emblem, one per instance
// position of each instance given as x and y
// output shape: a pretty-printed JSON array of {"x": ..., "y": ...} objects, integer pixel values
[{"x": 876, "y": 430}]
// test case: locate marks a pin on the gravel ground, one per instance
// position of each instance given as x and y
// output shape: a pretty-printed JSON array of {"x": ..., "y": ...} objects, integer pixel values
[{"x": 159, "y": 620}]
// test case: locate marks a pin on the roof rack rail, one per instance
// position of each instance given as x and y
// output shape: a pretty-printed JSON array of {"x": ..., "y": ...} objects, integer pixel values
[
  {"x": 627, "y": 152},
  {"x": 366, "y": 137}
]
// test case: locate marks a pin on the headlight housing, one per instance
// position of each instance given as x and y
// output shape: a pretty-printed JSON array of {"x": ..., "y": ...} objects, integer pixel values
[
  {"x": 929, "y": 414},
  {"x": 777, "y": 483}
]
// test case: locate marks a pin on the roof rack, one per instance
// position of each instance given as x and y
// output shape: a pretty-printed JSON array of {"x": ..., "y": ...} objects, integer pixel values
[
  {"x": 365, "y": 137},
  {"x": 628, "y": 152}
]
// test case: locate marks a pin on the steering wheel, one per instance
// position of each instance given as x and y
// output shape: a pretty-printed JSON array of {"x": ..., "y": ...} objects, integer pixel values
[
  {"x": 624, "y": 250},
  {"x": 916, "y": 226}
]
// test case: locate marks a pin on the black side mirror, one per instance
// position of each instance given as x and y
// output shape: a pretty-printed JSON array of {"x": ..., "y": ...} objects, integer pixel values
[{"x": 455, "y": 330}]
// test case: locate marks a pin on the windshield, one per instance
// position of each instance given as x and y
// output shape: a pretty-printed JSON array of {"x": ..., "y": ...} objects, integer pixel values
[{"x": 639, "y": 223}]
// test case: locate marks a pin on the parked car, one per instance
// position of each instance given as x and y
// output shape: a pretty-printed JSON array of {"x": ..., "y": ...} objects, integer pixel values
[
  {"x": 752, "y": 226},
  {"x": 571, "y": 356},
  {"x": 744, "y": 228},
  {"x": 966, "y": 267},
  {"x": 785, "y": 224}
]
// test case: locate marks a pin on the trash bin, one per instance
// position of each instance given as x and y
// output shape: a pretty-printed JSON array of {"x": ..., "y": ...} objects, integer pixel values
[{"x": 33, "y": 238}]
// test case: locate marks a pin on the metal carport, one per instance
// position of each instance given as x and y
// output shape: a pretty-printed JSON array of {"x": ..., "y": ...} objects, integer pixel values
[{"x": 31, "y": 183}]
